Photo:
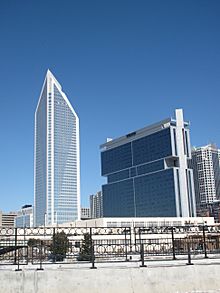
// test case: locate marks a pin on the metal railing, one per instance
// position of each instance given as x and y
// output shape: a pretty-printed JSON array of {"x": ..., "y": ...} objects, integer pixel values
[{"x": 49, "y": 245}]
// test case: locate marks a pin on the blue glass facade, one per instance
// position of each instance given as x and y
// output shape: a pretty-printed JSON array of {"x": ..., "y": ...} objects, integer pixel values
[
  {"x": 150, "y": 167},
  {"x": 136, "y": 152},
  {"x": 118, "y": 199},
  {"x": 116, "y": 159},
  {"x": 155, "y": 194},
  {"x": 152, "y": 147},
  {"x": 138, "y": 183},
  {"x": 147, "y": 172}
]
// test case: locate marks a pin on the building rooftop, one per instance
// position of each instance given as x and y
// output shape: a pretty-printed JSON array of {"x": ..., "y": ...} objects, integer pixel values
[{"x": 165, "y": 123}]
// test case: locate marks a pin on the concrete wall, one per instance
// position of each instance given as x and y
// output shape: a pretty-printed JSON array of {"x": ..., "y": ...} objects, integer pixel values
[{"x": 196, "y": 278}]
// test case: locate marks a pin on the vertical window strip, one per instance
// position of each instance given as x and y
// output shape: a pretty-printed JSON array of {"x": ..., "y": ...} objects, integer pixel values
[
  {"x": 187, "y": 145},
  {"x": 174, "y": 138},
  {"x": 179, "y": 196},
  {"x": 189, "y": 195},
  {"x": 184, "y": 141},
  {"x": 191, "y": 199}
]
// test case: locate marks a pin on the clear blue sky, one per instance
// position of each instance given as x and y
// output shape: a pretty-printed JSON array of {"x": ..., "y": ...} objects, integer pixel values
[{"x": 123, "y": 65}]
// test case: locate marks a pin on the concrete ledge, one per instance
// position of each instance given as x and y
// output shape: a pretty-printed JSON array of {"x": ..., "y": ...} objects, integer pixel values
[{"x": 200, "y": 278}]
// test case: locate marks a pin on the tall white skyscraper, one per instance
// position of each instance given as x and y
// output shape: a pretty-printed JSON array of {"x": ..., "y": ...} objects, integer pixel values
[{"x": 56, "y": 158}]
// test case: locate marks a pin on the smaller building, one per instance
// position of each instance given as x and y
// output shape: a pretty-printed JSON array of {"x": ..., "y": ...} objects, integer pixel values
[
  {"x": 206, "y": 169},
  {"x": 85, "y": 213},
  {"x": 96, "y": 205},
  {"x": 7, "y": 219},
  {"x": 24, "y": 217},
  {"x": 210, "y": 210},
  {"x": 141, "y": 222}
]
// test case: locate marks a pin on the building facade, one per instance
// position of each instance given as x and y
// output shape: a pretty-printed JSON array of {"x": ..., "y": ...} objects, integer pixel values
[
  {"x": 148, "y": 172},
  {"x": 7, "y": 219},
  {"x": 24, "y": 217},
  {"x": 85, "y": 214},
  {"x": 96, "y": 205},
  {"x": 206, "y": 168},
  {"x": 57, "y": 161},
  {"x": 209, "y": 210},
  {"x": 148, "y": 222}
]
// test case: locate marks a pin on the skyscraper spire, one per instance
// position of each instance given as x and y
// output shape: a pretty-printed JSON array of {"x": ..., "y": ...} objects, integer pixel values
[{"x": 50, "y": 75}]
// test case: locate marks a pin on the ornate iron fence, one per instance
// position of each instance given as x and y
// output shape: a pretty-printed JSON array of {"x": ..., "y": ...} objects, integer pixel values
[{"x": 44, "y": 245}]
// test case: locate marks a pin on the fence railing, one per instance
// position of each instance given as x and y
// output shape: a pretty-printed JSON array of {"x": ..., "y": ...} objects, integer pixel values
[{"x": 48, "y": 245}]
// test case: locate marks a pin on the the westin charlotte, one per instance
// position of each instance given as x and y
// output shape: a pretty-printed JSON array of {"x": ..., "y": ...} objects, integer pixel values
[
  {"x": 148, "y": 172},
  {"x": 57, "y": 174}
]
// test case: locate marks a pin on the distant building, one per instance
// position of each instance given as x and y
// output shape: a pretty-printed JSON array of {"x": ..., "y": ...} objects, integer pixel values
[
  {"x": 57, "y": 161},
  {"x": 96, "y": 205},
  {"x": 7, "y": 219},
  {"x": 210, "y": 210},
  {"x": 142, "y": 222},
  {"x": 206, "y": 168},
  {"x": 147, "y": 172},
  {"x": 24, "y": 217},
  {"x": 85, "y": 213},
  {"x": 216, "y": 211}
]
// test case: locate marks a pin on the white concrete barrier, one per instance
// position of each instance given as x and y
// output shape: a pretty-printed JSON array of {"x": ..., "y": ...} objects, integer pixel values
[{"x": 196, "y": 278}]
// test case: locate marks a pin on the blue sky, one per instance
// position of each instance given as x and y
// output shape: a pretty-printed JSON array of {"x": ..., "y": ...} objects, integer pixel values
[{"x": 123, "y": 65}]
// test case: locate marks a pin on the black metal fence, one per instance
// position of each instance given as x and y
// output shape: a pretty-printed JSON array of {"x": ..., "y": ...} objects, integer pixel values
[{"x": 46, "y": 245}]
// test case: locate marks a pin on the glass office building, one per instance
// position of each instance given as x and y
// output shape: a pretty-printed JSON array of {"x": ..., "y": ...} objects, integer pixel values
[
  {"x": 57, "y": 163},
  {"x": 148, "y": 172},
  {"x": 24, "y": 217}
]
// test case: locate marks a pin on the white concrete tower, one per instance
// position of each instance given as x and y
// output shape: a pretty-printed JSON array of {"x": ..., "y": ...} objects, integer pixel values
[{"x": 186, "y": 207}]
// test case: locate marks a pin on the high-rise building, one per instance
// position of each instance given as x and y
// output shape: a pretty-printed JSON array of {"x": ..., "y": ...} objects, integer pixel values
[
  {"x": 206, "y": 169},
  {"x": 96, "y": 205},
  {"x": 85, "y": 213},
  {"x": 57, "y": 161},
  {"x": 148, "y": 173},
  {"x": 24, "y": 217}
]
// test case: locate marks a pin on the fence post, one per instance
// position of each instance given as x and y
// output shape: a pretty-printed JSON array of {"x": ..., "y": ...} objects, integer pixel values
[
  {"x": 204, "y": 241},
  {"x": 92, "y": 251},
  {"x": 15, "y": 254},
  {"x": 126, "y": 249},
  {"x": 54, "y": 256},
  {"x": 173, "y": 244},
  {"x": 32, "y": 255},
  {"x": 27, "y": 255},
  {"x": 18, "y": 269},
  {"x": 189, "y": 253},
  {"x": 142, "y": 256},
  {"x": 24, "y": 235},
  {"x": 40, "y": 268},
  {"x": 139, "y": 232},
  {"x": 130, "y": 231}
]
